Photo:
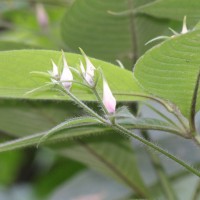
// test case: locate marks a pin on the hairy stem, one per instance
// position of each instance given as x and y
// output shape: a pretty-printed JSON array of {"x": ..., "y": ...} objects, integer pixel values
[
  {"x": 163, "y": 178},
  {"x": 90, "y": 111},
  {"x": 121, "y": 129}
]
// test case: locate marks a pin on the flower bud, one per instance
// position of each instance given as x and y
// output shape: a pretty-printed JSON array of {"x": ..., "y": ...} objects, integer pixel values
[
  {"x": 88, "y": 74},
  {"x": 54, "y": 73},
  {"x": 42, "y": 16},
  {"x": 108, "y": 99},
  {"x": 66, "y": 76}
]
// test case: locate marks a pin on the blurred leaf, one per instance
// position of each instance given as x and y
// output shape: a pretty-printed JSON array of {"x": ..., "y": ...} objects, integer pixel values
[
  {"x": 173, "y": 9},
  {"x": 170, "y": 70},
  {"x": 22, "y": 26},
  {"x": 90, "y": 25},
  {"x": 109, "y": 154},
  {"x": 9, "y": 166},
  {"x": 8, "y": 45},
  {"x": 16, "y": 80},
  {"x": 62, "y": 171},
  {"x": 92, "y": 186},
  {"x": 12, "y": 5}
]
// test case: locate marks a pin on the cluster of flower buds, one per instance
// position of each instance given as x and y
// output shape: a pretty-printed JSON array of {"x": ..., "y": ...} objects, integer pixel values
[
  {"x": 66, "y": 78},
  {"x": 89, "y": 73}
]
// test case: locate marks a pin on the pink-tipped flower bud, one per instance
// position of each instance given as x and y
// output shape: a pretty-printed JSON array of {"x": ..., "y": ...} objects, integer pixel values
[
  {"x": 109, "y": 100},
  {"x": 66, "y": 76},
  {"x": 89, "y": 70},
  {"x": 88, "y": 74}
]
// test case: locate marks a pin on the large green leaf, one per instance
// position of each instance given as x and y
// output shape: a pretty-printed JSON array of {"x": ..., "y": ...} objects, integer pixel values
[
  {"x": 103, "y": 35},
  {"x": 170, "y": 70},
  {"x": 173, "y": 9},
  {"x": 16, "y": 80}
]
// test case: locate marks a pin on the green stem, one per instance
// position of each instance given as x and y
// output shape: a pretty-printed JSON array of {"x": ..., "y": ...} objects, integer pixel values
[
  {"x": 100, "y": 100},
  {"x": 163, "y": 178},
  {"x": 123, "y": 130},
  {"x": 193, "y": 105},
  {"x": 90, "y": 111}
]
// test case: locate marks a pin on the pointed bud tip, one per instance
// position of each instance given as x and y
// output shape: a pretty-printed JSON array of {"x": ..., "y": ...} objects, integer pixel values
[
  {"x": 184, "y": 27},
  {"x": 82, "y": 68},
  {"x": 54, "y": 72}
]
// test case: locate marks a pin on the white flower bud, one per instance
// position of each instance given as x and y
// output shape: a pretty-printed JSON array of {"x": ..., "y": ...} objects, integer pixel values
[
  {"x": 66, "y": 76},
  {"x": 88, "y": 74}
]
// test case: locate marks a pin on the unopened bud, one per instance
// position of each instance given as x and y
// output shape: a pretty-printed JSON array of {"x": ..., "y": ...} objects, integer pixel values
[
  {"x": 109, "y": 100},
  {"x": 66, "y": 76}
]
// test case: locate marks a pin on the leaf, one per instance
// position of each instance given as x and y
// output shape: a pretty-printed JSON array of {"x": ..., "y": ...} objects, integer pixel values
[
  {"x": 173, "y": 9},
  {"x": 36, "y": 139},
  {"x": 63, "y": 170},
  {"x": 110, "y": 154},
  {"x": 170, "y": 70},
  {"x": 8, "y": 45},
  {"x": 10, "y": 165},
  {"x": 91, "y": 25},
  {"x": 92, "y": 185},
  {"x": 16, "y": 80}
]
